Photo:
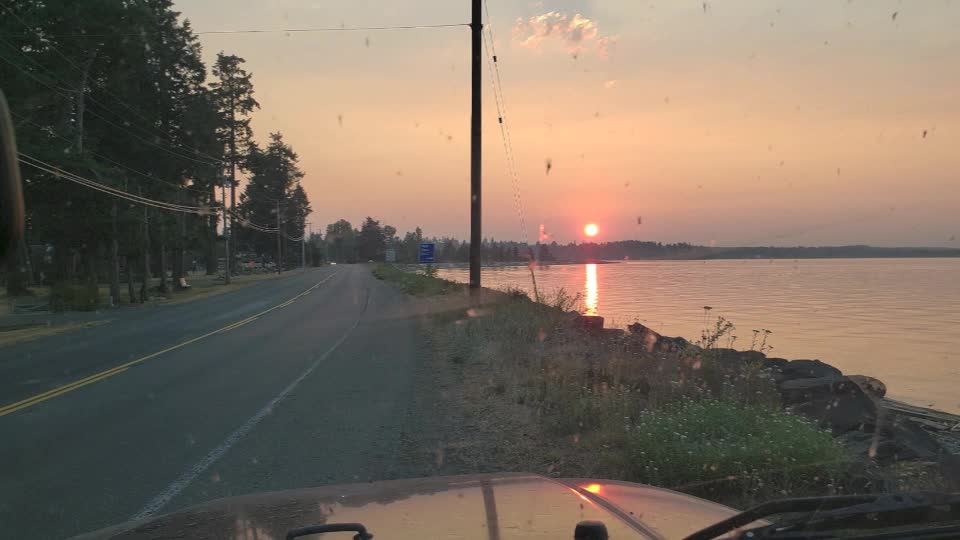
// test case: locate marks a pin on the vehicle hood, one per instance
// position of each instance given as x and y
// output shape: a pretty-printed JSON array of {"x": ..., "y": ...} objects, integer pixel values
[{"x": 481, "y": 507}]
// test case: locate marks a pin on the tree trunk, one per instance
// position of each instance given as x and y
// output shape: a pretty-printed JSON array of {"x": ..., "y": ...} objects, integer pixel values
[
  {"x": 131, "y": 291},
  {"x": 164, "y": 287},
  {"x": 18, "y": 276},
  {"x": 25, "y": 261},
  {"x": 178, "y": 271},
  {"x": 212, "y": 243},
  {"x": 114, "y": 258},
  {"x": 145, "y": 249}
]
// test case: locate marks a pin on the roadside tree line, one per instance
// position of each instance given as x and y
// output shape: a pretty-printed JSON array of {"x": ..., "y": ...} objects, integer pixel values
[
  {"x": 116, "y": 93},
  {"x": 342, "y": 243}
]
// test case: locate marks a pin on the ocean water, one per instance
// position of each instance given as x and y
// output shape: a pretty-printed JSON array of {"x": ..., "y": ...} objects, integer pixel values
[{"x": 894, "y": 319}]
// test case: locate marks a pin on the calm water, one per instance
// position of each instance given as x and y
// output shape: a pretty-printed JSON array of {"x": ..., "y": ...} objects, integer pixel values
[{"x": 894, "y": 319}]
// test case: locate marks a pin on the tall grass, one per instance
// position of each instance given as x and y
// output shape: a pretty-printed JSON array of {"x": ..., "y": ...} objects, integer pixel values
[
  {"x": 712, "y": 445},
  {"x": 418, "y": 284},
  {"x": 569, "y": 403}
]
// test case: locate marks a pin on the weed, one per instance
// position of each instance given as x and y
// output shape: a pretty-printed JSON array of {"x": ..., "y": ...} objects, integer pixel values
[
  {"x": 424, "y": 284},
  {"x": 703, "y": 445}
]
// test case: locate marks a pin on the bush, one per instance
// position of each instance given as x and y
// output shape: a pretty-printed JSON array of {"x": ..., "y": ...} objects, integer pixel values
[
  {"x": 77, "y": 296},
  {"x": 709, "y": 445},
  {"x": 17, "y": 283},
  {"x": 413, "y": 283}
]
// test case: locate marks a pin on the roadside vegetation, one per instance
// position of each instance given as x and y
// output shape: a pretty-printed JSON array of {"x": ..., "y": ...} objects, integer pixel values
[
  {"x": 416, "y": 283},
  {"x": 552, "y": 399}
]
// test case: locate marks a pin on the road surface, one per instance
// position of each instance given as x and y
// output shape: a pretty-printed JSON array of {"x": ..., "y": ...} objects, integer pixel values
[{"x": 301, "y": 381}]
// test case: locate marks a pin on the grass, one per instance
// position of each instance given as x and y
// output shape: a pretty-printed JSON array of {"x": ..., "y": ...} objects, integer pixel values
[
  {"x": 201, "y": 286},
  {"x": 553, "y": 400},
  {"x": 414, "y": 283},
  {"x": 29, "y": 333},
  {"x": 716, "y": 446},
  {"x": 204, "y": 286}
]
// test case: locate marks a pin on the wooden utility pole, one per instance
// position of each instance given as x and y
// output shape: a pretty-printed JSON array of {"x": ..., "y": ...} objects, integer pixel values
[
  {"x": 233, "y": 172},
  {"x": 476, "y": 30},
  {"x": 114, "y": 255},
  {"x": 226, "y": 236},
  {"x": 279, "y": 263},
  {"x": 145, "y": 246}
]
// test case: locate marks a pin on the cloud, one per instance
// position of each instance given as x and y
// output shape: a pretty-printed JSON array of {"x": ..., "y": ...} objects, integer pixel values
[
  {"x": 610, "y": 84},
  {"x": 576, "y": 33}
]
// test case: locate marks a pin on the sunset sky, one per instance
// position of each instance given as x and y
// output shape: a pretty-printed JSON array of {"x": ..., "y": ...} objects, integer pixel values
[{"x": 731, "y": 123}]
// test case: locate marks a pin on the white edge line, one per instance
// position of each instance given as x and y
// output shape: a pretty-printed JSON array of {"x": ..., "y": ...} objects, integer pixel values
[{"x": 191, "y": 474}]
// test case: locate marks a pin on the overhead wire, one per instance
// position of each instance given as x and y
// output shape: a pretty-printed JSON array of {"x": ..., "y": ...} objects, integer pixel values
[
  {"x": 109, "y": 190},
  {"x": 288, "y": 30},
  {"x": 115, "y": 192},
  {"x": 108, "y": 121},
  {"x": 105, "y": 158},
  {"x": 125, "y": 105},
  {"x": 497, "y": 85},
  {"x": 331, "y": 29},
  {"x": 64, "y": 93}
]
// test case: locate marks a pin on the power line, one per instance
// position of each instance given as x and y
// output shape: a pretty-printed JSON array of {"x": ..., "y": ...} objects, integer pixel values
[
  {"x": 245, "y": 222},
  {"x": 285, "y": 30},
  {"x": 497, "y": 87},
  {"x": 94, "y": 113},
  {"x": 105, "y": 90},
  {"x": 331, "y": 29},
  {"x": 105, "y": 158},
  {"x": 86, "y": 182}
]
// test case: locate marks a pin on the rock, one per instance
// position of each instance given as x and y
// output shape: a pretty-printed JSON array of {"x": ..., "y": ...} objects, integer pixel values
[
  {"x": 651, "y": 342},
  {"x": 803, "y": 390},
  {"x": 806, "y": 369},
  {"x": 614, "y": 333},
  {"x": 910, "y": 441},
  {"x": 776, "y": 363},
  {"x": 873, "y": 387},
  {"x": 588, "y": 323},
  {"x": 834, "y": 402},
  {"x": 735, "y": 356}
]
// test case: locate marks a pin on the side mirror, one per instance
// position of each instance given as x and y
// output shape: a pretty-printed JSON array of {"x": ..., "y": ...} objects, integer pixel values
[{"x": 11, "y": 191}]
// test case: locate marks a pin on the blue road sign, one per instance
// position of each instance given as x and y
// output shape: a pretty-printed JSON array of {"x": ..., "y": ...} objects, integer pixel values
[{"x": 427, "y": 252}]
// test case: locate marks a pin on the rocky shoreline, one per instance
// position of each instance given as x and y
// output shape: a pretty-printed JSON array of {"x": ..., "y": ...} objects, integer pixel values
[{"x": 881, "y": 431}]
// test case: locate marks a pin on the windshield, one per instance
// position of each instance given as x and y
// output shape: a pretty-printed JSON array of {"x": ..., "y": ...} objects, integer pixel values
[{"x": 710, "y": 247}]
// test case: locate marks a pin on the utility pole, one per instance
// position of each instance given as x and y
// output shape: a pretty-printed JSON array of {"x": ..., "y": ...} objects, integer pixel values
[
  {"x": 226, "y": 234},
  {"x": 278, "y": 238},
  {"x": 476, "y": 30},
  {"x": 233, "y": 167},
  {"x": 303, "y": 248}
]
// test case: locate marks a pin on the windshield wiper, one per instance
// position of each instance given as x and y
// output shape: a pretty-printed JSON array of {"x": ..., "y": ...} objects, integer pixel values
[{"x": 824, "y": 517}]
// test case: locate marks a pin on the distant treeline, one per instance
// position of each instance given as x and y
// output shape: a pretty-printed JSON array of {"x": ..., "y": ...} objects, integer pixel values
[
  {"x": 373, "y": 241},
  {"x": 631, "y": 249}
]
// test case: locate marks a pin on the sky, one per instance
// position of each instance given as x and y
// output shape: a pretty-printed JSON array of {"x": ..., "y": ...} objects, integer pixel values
[{"x": 717, "y": 123}]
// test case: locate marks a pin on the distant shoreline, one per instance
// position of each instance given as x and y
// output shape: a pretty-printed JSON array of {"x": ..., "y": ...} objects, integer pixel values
[{"x": 710, "y": 257}]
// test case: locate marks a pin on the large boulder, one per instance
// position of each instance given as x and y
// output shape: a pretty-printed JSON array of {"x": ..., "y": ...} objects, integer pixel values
[
  {"x": 733, "y": 356},
  {"x": 589, "y": 323},
  {"x": 896, "y": 439},
  {"x": 834, "y": 402},
  {"x": 873, "y": 387},
  {"x": 805, "y": 369},
  {"x": 651, "y": 342}
]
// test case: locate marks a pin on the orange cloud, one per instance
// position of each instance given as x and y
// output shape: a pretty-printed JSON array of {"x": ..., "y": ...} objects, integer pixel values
[{"x": 576, "y": 33}]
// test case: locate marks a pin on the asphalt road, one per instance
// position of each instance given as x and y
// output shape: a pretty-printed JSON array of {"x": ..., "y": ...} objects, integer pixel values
[{"x": 301, "y": 381}]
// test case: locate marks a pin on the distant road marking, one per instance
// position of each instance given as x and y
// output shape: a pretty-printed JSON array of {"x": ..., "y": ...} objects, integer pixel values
[
  {"x": 69, "y": 387},
  {"x": 191, "y": 474}
]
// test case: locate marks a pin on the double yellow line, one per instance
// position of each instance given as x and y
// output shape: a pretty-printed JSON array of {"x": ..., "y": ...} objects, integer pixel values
[{"x": 97, "y": 377}]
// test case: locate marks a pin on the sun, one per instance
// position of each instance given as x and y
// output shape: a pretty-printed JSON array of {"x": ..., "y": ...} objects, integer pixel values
[{"x": 591, "y": 229}]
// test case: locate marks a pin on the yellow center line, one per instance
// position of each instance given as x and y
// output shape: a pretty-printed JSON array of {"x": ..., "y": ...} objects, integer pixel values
[{"x": 96, "y": 377}]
